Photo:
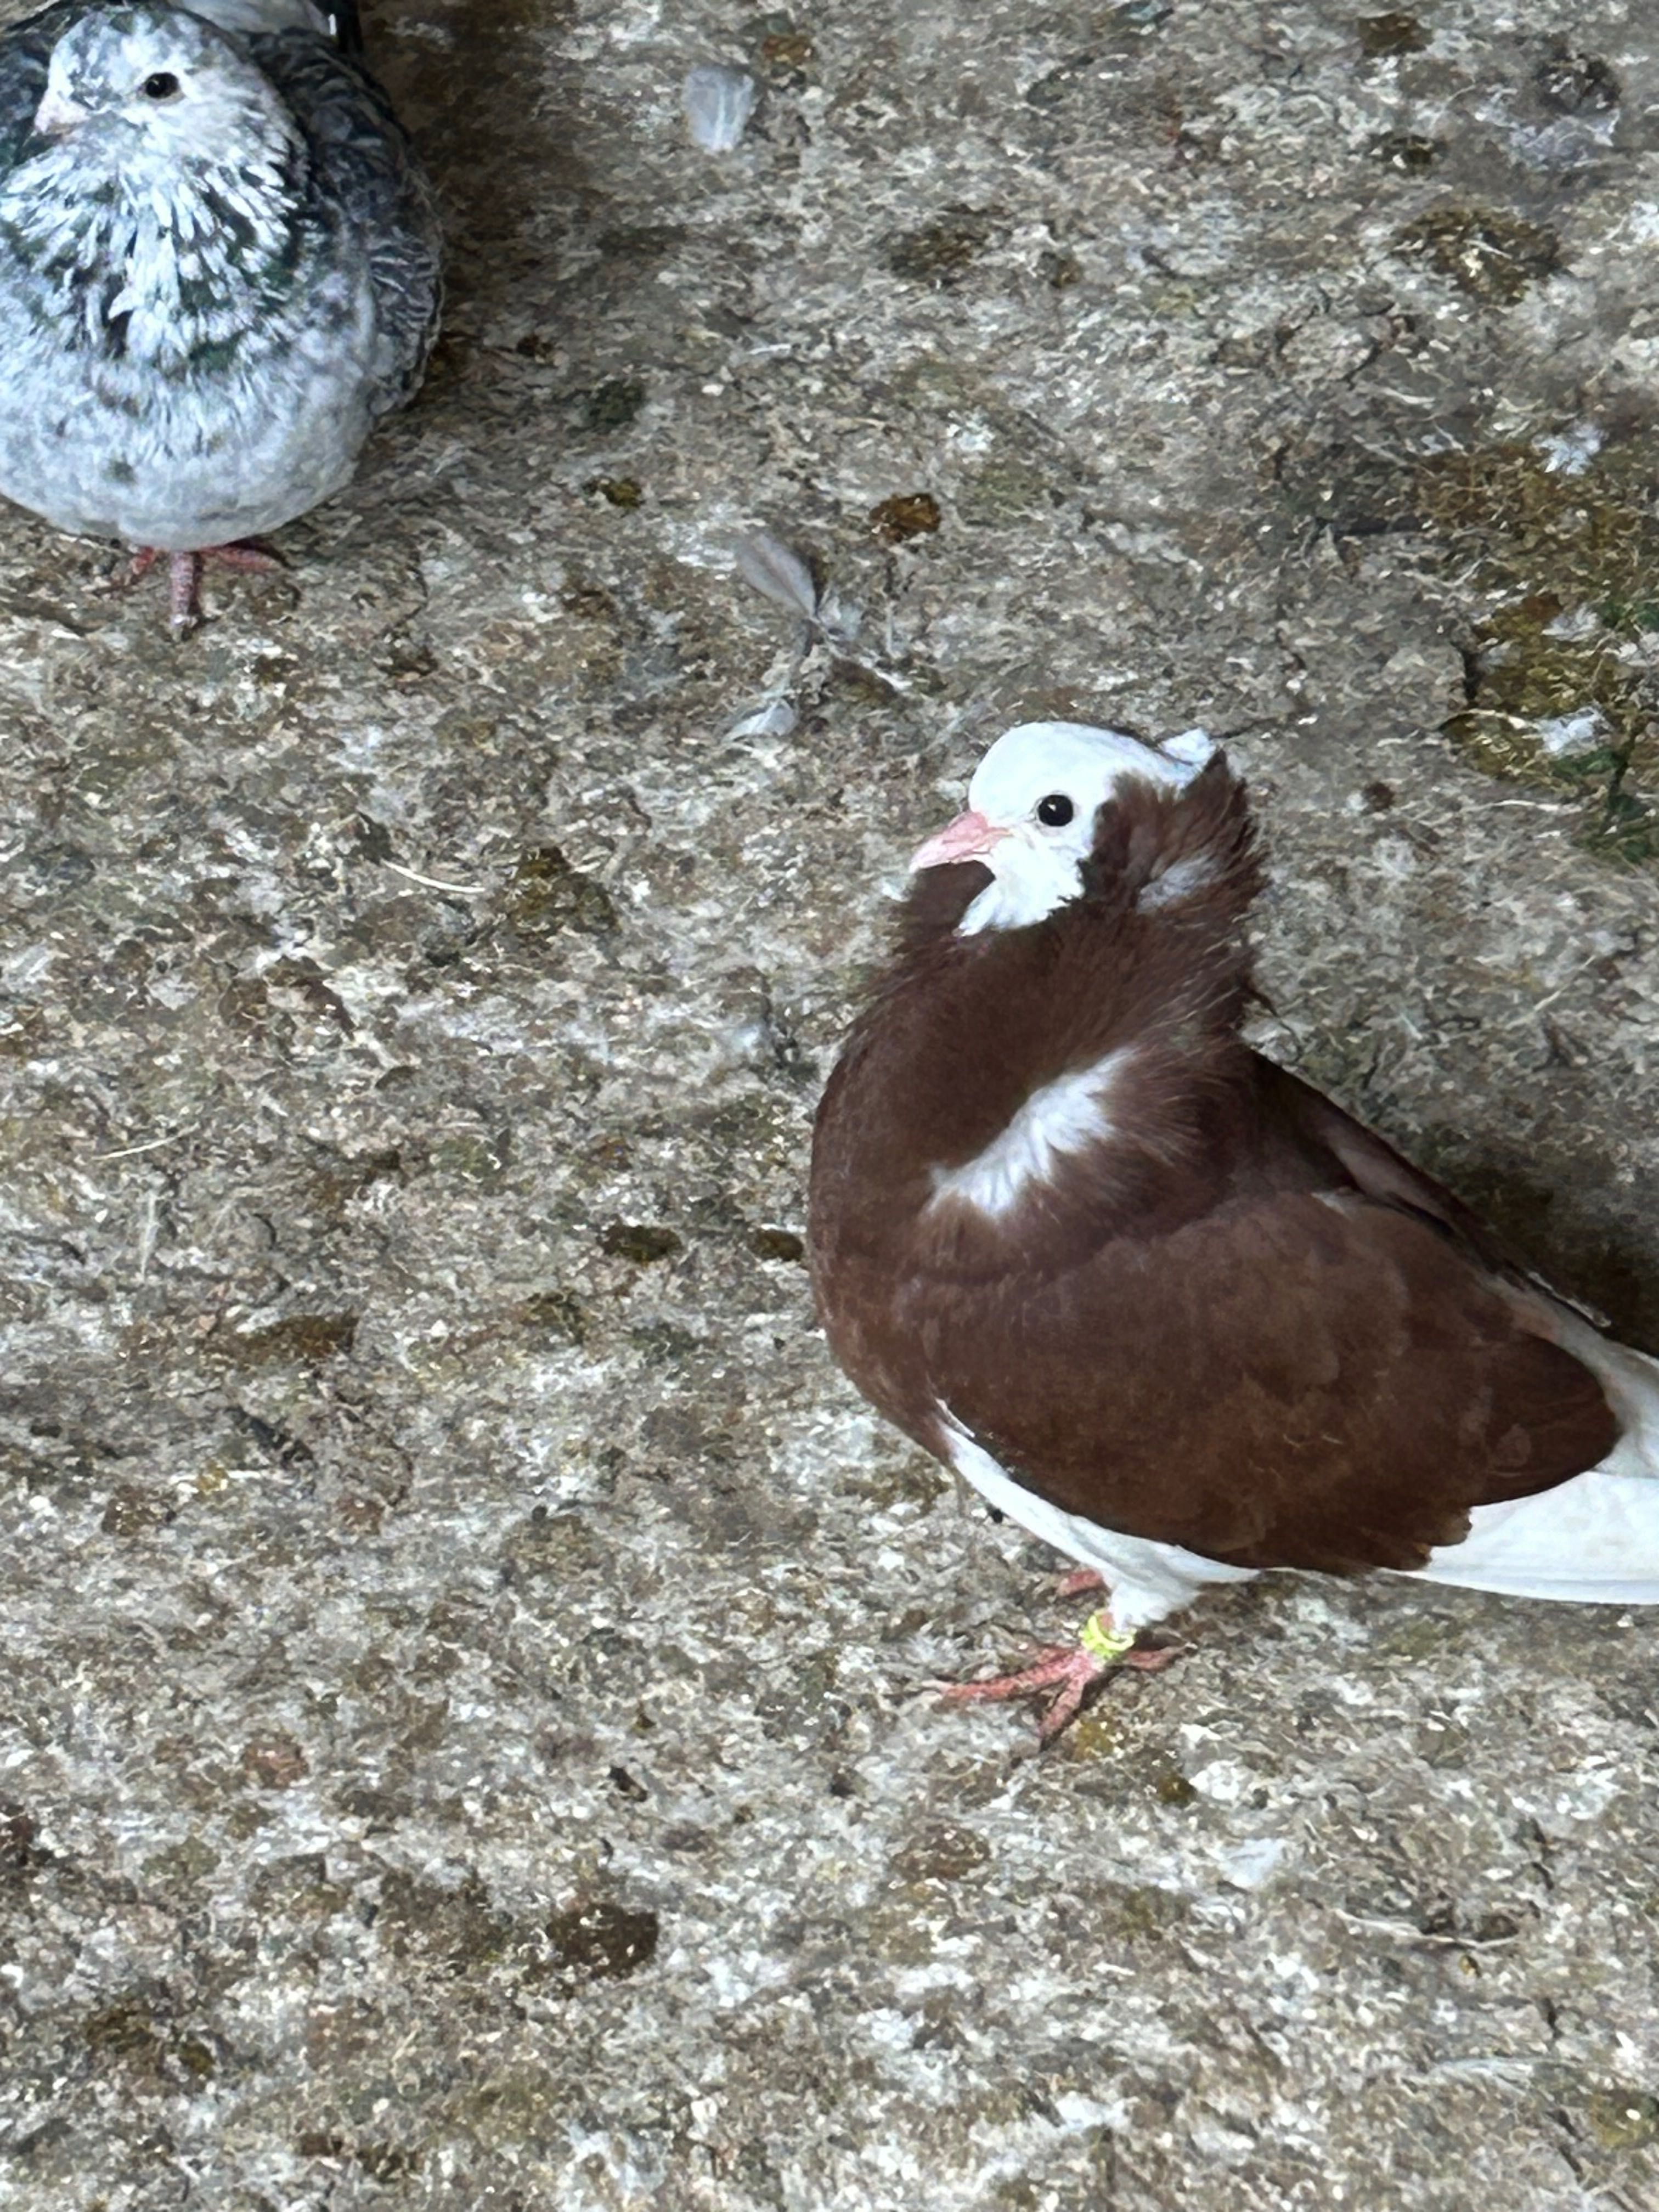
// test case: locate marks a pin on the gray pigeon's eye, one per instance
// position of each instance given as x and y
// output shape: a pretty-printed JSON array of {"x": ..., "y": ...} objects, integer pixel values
[
  {"x": 1055, "y": 810},
  {"x": 162, "y": 86}
]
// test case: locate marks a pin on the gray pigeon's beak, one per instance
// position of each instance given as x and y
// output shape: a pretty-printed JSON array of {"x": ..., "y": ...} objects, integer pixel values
[{"x": 57, "y": 115}]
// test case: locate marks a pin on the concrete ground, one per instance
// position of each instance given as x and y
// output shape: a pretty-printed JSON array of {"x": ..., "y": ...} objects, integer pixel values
[{"x": 468, "y": 1739}]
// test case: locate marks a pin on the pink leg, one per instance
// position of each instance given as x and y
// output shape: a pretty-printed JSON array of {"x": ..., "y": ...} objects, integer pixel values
[
  {"x": 184, "y": 589},
  {"x": 1068, "y": 1672},
  {"x": 185, "y": 575},
  {"x": 1080, "y": 1582}
]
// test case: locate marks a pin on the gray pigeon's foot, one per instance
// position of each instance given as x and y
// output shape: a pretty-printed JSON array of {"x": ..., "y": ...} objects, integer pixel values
[
  {"x": 185, "y": 576},
  {"x": 1065, "y": 1674}
]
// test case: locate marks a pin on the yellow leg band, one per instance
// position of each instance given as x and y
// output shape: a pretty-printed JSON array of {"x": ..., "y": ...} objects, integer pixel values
[{"x": 1102, "y": 1641}]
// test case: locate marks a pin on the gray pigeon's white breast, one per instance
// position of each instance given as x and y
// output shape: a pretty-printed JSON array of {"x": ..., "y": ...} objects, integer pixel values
[{"x": 179, "y": 460}]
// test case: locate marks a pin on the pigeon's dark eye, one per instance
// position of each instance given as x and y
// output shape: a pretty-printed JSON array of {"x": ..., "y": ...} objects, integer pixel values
[
  {"x": 162, "y": 86},
  {"x": 1055, "y": 810}
]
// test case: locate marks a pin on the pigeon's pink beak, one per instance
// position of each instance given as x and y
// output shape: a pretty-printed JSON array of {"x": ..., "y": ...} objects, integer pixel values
[
  {"x": 57, "y": 115},
  {"x": 969, "y": 837}
]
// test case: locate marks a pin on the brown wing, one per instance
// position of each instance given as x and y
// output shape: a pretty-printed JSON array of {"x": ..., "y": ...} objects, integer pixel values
[
  {"x": 1301, "y": 1115},
  {"x": 1293, "y": 1378}
]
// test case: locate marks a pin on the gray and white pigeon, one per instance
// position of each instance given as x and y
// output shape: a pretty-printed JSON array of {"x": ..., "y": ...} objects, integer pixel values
[{"x": 219, "y": 267}]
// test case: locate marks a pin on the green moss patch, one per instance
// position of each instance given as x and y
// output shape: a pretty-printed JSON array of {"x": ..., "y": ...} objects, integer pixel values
[
  {"x": 546, "y": 895},
  {"x": 1490, "y": 255},
  {"x": 1560, "y": 682},
  {"x": 1559, "y": 569},
  {"x": 1392, "y": 32}
]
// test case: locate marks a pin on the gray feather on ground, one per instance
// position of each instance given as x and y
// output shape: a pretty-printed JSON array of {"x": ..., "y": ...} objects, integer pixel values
[
  {"x": 717, "y": 103},
  {"x": 778, "y": 571}
]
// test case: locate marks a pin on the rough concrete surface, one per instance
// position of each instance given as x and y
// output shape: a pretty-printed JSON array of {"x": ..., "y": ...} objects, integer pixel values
[{"x": 467, "y": 1731}]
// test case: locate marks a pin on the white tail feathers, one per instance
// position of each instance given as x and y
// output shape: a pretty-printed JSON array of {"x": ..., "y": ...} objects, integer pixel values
[{"x": 1592, "y": 1540}]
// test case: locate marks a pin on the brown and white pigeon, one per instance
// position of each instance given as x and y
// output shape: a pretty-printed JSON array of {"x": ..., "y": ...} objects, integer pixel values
[{"x": 1160, "y": 1302}]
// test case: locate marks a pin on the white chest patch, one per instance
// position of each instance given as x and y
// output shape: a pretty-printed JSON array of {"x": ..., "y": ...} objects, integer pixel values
[{"x": 1064, "y": 1116}]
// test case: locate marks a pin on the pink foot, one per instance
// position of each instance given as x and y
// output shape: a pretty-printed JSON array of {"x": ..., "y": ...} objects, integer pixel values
[
  {"x": 1066, "y": 1674},
  {"x": 185, "y": 575}
]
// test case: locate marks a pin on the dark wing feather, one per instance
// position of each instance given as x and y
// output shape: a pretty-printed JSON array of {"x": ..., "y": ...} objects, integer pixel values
[
  {"x": 1294, "y": 1379},
  {"x": 1303, "y": 1116},
  {"x": 346, "y": 25},
  {"x": 25, "y": 52},
  {"x": 1378, "y": 1170},
  {"x": 370, "y": 189}
]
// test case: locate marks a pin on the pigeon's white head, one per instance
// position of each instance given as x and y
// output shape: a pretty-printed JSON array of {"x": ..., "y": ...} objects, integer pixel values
[
  {"x": 1032, "y": 810},
  {"x": 133, "y": 87}
]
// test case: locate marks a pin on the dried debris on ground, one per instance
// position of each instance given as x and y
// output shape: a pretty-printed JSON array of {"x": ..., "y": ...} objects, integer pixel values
[{"x": 468, "y": 1740}]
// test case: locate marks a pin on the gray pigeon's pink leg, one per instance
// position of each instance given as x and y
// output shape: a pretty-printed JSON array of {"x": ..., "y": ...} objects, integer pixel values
[
  {"x": 185, "y": 576},
  {"x": 1070, "y": 1672}
]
